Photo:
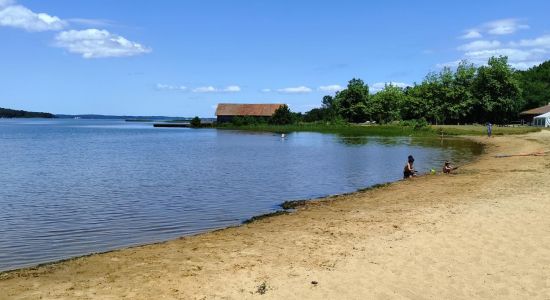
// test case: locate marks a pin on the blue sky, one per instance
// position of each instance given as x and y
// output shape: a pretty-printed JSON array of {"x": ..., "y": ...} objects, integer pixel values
[{"x": 181, "y": 58}]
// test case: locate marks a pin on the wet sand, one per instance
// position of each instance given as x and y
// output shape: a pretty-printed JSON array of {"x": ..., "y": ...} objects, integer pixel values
[{"x": 481, "y": 233}]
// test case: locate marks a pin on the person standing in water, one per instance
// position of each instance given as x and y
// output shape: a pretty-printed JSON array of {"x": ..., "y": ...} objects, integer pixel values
[
  {"x": 489, "y": 129},
  {"x": 409, "y": 171}
]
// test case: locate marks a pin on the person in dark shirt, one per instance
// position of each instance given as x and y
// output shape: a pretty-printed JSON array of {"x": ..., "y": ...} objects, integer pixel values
[{"x": 409, "y": 171}]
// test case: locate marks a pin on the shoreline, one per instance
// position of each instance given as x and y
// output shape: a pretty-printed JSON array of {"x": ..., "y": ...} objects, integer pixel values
[
  {"x": 329, "y": 243},
  {"x": 285, "y": 207}
]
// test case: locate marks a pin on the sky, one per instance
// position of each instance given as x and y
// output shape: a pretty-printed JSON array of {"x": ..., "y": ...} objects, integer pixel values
[{"x": 181, "y": 58}]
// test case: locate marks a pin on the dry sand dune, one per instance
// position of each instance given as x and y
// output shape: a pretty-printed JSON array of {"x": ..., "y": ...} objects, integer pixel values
[{"x": 483, "y": 233}]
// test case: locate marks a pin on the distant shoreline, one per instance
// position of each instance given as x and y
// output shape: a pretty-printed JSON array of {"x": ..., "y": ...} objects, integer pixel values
[{"x": 13, "y": 114}]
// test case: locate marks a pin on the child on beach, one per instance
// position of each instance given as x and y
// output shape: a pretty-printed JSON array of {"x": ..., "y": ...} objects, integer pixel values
[
  {"x": 409, "y": 171},
  {"x": 447, "y": 168}
]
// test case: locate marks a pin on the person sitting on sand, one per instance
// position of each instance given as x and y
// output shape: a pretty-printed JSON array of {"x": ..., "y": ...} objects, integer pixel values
[
  {"x": 447, "y": 168},
  {"x": 409, "y": 171}
]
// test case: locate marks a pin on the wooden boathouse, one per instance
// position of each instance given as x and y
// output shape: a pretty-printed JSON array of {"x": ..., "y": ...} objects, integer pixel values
[{"x": 225, "y": 112}]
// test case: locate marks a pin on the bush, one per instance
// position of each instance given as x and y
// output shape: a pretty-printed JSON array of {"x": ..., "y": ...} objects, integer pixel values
[
  {"x": 196, "y": 122},
  {"x": 415, "y": 123},
  {"x": 282, "y": 116}
]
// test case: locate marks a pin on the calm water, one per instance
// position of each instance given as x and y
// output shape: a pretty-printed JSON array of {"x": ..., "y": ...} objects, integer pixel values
[{"x": 72, "y": 187}]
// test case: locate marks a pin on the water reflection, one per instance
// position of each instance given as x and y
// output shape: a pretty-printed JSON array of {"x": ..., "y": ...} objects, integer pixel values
[
  {"x": 353, "y": 140},
  {"x": 71, "y": 187}
]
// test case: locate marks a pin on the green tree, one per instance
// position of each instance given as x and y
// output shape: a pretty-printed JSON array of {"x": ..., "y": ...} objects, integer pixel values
[
  {"x": 195, "y": 122},
  {"x": 329, "y": 102},
  {"x": 497, "y": 91},
  {"x": 413, "y": 105},
  {"x": 460, "y": 99},
  {"x": 351, "y": 102},
  {"x": 426, "y": 100},
  {"x": 443, "y": 97},
  {"x": 384, "y": 106},
  {"x": 535, "y": 85},
  {"x": 282, "y": 116}
]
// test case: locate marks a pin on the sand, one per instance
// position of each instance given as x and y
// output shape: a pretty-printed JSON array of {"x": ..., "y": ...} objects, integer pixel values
[{"x": 482, "y": 233}]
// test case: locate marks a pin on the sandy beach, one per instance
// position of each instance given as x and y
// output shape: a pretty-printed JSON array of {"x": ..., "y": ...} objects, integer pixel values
[{"x": 482, "y": 233}]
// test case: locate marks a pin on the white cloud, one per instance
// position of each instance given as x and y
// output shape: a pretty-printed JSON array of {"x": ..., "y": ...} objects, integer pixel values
[
  {"x": 521, "y": 54},
  {"x": 525, "y": 64},
  {"x": 211, "y": 89},
  {"x": 205, "y": 89},
  {"x": 471, "y": 34},
  {"x": 496, "y": 27},
  {"x": 168, "y": 87},
  {"x": 232, "y": 89},
  {"x": 95, "y": 43},
  {"x": 378, "y": 86},
  {"x": 449, "y": 64},
  {"x": 265, "y": 90},
  {"x": 504, "y": 26},
  {"x": 543, "y": 42},
  {"x": 18, "y": 16},
  {"x": 514, "y": 55},
  {"x": 517, "y": 58},
  {"x": 479, "y": 45},
  {"x": 330, "y": 88},
  {"x": 295, "y": 90}
]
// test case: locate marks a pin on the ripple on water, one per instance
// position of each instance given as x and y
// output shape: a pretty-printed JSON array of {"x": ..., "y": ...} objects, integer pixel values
[{"x": 73, "y": 187}]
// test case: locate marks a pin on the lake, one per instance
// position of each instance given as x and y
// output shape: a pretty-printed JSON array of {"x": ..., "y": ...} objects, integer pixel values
[{"x": 74, "y": 187}]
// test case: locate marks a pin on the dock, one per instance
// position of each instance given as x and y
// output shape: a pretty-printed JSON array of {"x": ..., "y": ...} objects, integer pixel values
[{"x": 186, "y": 125}]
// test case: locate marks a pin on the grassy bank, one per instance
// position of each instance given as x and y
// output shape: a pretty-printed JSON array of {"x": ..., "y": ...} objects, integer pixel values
[
  {"x": 481, "y": 130},
  {"x": 383, "y": 130}
]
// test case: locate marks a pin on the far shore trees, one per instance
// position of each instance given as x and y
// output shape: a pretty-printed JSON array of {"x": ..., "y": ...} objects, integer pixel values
[
  {"x": 282, "y": 116},
  {"x": 466, "y": 94},
  {"x": 351, "y": 103},
  {"x": 535, "y": 85},
  {"x": 497, "y": 92},
  {"x": 12, "y": 113},
  {"x": 195, "y": 122}
]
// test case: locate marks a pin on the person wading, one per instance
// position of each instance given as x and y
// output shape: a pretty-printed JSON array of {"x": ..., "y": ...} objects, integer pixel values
[{"x": 409, "y": 171}]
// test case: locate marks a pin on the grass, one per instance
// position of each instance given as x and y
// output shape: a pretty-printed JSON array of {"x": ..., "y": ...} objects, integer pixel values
[
  {"x": 383, "y": 130},
  {"x": 481, "y": 130}
]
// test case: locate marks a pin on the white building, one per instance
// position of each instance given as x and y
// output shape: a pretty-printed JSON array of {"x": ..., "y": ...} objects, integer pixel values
[{"x": 542, "y": 120}]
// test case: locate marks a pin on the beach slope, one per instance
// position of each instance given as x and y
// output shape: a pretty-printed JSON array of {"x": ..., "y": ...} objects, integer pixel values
[{"x": 481, "y": 233}]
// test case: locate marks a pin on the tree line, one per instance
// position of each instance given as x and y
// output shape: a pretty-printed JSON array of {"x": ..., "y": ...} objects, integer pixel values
[
  {"x": 468, "y": 94},
  {"x": 11, "y": 113}
]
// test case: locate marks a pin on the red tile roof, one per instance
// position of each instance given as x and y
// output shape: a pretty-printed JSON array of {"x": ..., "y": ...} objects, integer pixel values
[
  {"x": 537, "y": 111},
  {"x": 259, "y": 110}
]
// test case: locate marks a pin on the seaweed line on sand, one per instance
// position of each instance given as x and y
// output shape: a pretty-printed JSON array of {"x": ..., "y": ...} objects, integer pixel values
[{"x": 293, "y": 204}]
